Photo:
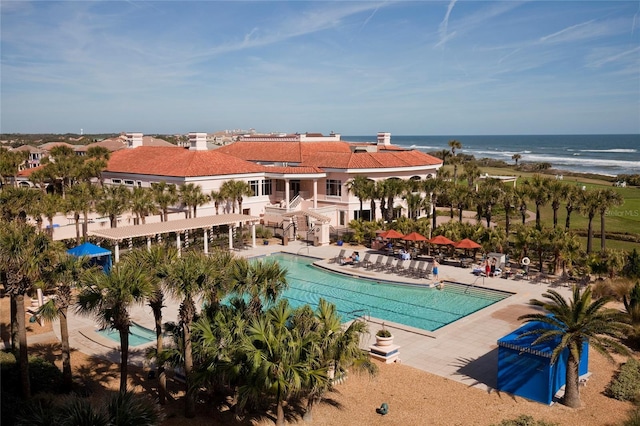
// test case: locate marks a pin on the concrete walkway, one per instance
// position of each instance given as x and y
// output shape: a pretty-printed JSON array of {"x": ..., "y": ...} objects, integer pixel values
[{"x": 465, "y": 351}]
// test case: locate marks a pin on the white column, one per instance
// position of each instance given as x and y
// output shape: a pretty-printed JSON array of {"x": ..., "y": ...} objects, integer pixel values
[
  {"x": 230, "y": 237},
  {"x": 315, "y": 193},
  {"x": 148, "y": 242},
  {"x": 117, "y": 250},
  {"x": 178, "y": 245},
  {"x": 206, "y": 241},
  {"x": 253, "y": 234},
  {"x": 286, "y": 193},
  {"x": 40, "y": 297}
]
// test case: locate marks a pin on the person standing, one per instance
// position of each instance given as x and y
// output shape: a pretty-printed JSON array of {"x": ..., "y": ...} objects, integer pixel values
[
  {"x": 435, "y": 269},
  {"x": 487, "y": 268}
]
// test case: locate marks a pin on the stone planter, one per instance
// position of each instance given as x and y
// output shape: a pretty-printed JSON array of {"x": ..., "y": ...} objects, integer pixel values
[{"x": 384, "y": 341}]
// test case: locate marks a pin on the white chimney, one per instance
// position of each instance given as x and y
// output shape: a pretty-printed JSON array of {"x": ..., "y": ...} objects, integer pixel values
[
  {"x": 197, "y": 141},
  {"x": 134, "y": 140},
  {"x": 384, "y": 138}
]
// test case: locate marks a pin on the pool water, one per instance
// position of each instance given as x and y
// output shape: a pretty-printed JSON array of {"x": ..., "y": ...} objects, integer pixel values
[
  {"x": 138, "y": 335},
  {"x": 416, "y": 306}
]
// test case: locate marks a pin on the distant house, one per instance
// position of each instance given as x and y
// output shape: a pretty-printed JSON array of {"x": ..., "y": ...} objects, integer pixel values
[{"x": 288, "y": 173}]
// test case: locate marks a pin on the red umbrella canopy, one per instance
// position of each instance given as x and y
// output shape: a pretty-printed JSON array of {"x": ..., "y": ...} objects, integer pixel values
[
  {"x": 467, "y": 244},
  {"x": 441, "y": 240},
  {"x": 414, "y": 236},
  {"x": 391, "y": 234}
]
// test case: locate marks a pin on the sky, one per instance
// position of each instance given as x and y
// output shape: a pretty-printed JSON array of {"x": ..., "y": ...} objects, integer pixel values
[{"x": 461, "y": 67}]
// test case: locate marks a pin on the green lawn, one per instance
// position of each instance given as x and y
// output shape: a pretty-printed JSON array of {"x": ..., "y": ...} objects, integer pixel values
[{"x": 621, "y": 219}]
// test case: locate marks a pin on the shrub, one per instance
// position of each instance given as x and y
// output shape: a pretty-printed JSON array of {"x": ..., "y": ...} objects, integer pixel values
[
  {"x": 44, "y": 376},
  {"x": 525, "y": 420},
  {"x": 625, "y": 386},
  {"x": 633, "y": 418}
]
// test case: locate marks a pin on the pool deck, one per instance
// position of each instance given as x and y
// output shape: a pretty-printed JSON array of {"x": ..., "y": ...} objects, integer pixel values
[{"x": 465, "y": 351}]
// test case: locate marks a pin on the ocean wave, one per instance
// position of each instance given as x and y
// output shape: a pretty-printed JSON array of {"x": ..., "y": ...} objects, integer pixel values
[
  {"x": 614, "y": 150},
  {"x": 426, "y": 147},
  {"x": 585, "y": 162}
]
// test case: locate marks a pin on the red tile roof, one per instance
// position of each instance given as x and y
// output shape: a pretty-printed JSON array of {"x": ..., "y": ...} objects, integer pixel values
[
  {"x": 329, "y": 154},
  {"x": 293, "y": 170},
  {"x": 28, "y": 172},
  {"x": 175, "y": 161}
]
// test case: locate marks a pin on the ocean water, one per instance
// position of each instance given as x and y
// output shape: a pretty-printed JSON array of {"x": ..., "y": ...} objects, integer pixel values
[{"x": 609, "y": 155}]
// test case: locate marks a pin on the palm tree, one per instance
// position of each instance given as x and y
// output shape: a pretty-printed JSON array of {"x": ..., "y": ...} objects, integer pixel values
[
  {"x": 49, "y": 206},
  {"x": 236, "y": 191},
  {"x": 109, "y": 297},
  {"x": 75, "y": 205},
  {"x": 378, "y": 194},
  {"x": 508, "y": 200},
  {"x": 444, "y": 154},
  {"x": 573, "y": 198},
  {"x": 590, "y": 204},
  {"x": 277, "y": 358},
  {"x": 471, "y": 172},
  {"x": 121, "y": 409},
  {"x": 360, "y": 187},
  {"x": 516, "y": 157},
  {"x": 557, "y": 194},
  {"x": 454, "y": 144},
  {"x": 113, "y": 202},
  {"x": 186, "y": 279},
  {"x": 165, "y": 195},
  {"x": 608, "y": 198},
  {"x": 66, "y": 276},
  {"x": 84, "y": 194},
  {"x": 394, "y": 187},
  {"x": 455, "y": 161},
  {"x": 25, "y": 257},
  {"x": 10, "y": 162},
  {"x": 63, "y": 166},
  {"x": 185, "y": 195},
  {"x": 460, "y": 197},
  {"x": 261, "y": 280},
  {"x": 157, "y": 260},
  {"x": 488, "y": 195},
  {"x": 522, "y": 198},
  {"x": 571, "y": 324},
  {"x": 538, "y": 190},
  {"x": 142, "y": 204},
  {"x": 217, "y": 198},
  {"x": 337, "y": 350}
]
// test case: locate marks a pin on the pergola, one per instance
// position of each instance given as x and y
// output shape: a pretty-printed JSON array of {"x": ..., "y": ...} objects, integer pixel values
[{"x": 150, "y": 230}]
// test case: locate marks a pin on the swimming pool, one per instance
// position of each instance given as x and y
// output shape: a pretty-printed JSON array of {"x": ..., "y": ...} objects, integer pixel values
[
  {"x": 138, "y": 335},
  {"x": 416, "y": 306}
]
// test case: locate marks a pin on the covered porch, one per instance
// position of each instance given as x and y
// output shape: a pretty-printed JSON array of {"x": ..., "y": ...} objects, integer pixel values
[{"x": 151, "y": 230}]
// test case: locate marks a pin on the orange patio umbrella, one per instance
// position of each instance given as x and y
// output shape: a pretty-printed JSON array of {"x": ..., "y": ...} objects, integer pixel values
[
  {"x": 467, "y": 244},
  {"x": 391, "y": 234},
  {"x": 414, "y": 236},
  {"x": 441, "y": 240}
]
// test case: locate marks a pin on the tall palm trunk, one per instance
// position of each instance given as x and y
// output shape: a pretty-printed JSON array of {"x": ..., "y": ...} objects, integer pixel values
[
  {"x": 280, "y": 409},
  {"x": 590, "y": 233},
  {"x": 190, "y": 401},
  {"x": 85, "y": 224},
  {"x": 156, "y": 308},
  {"x": 23, "y": 354},
  {"x": 76, "y": 219},
  {"x": 571, "y": 396},
  {"x": 603, "y": 236},
  {"x": 14, "y": 323},
  {"x": 567, "y": 222},
  {"x": 124, "y": 357},
  {"x": 67, "y": 378}
]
